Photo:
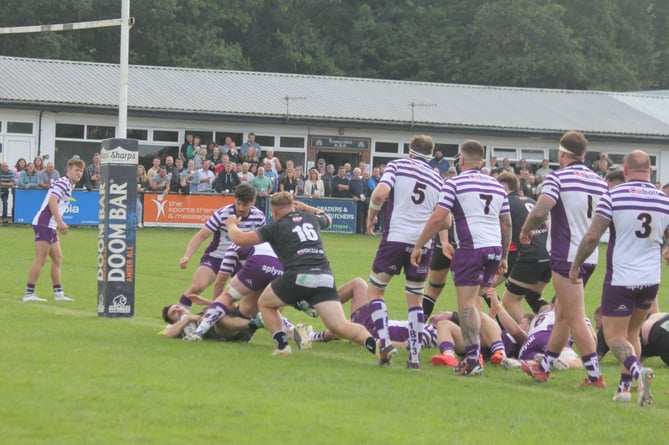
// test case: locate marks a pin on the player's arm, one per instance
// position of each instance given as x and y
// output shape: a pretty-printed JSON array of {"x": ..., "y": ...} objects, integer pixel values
[
  {"x": 173, "y": 331},
  {"x": 302, "y": 207},
  {"x": 53, "y": 208},
  {"x": 588, "y": 245},
  {"x": 537, "y": 216},
  {"x": 440, "y": 220},
  {"x": 193, "y": 245},
  {"x": 239, "y": 237},
  {"x": 505, "y": 225}
]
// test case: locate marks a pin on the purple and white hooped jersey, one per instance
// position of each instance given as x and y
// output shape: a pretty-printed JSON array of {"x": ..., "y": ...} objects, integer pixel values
[
  {"x": 576, "y": 191},
  {"x": 62, "y": 189},
  {"x": 216, "y": 224},
  {"x": 236, "y": 256},
  {"x": 476, "y": 201},
  {"x": 639, "y": 215},
  {"x": 398, "y": 330},
  {"x": 414, "y": 192}
]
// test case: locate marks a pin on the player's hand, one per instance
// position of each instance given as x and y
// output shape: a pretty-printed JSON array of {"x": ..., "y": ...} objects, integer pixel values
[
  {"x": 195, "y": 298},
  {"x": 503, "y": 267},
  {"x": 370, "y": 227},
  {"x": 525, "y": 238},
  {"x": 448, "y": 250},
  {"x": 416, "y": 255},
  {"x": 183, "y": 262},
  {"x": 573, "y": 275},
  {"x": 62, "y": 228},
  {"x": 232, "y": 220}
]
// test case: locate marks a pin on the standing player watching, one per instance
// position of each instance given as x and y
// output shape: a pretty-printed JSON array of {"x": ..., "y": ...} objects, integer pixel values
[
  {"x": 411, "y": 187},
  {"x": 530, "y": 272},
  {"x": 638, "y": 216},
  {"x": 49, "y": 218},
  {"x": 210, "y": 263},
  {"x": 483, "y": 232},
  {"x": 295, "y": 237},
  {"x": 570, "y": 195}
]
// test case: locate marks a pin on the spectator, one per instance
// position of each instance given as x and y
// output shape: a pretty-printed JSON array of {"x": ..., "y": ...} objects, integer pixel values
[
  {"x": 215, "y": 158},
  {"x": 200, "y": 156},
  {"x": 187, "y": 150},
  {"x": 18, "y": 168},
  {"x": 356, "y": 191},
  {"x": 313, "y": 187},
  {"x": 349, "y": 172},
  {"x": 271, "y": 175},
  {"x": 453, "y": 172},
  {"x": 289, "y": 182},
  {"x": 340, "y": 184},
  {"x": 263, "y": 187},
  {"x": 289, "y": 164},
  {"x": 226, "y": 146},
  {"x": 299, "y": 174},
  {"x": 601, "y": 167},
  {"x": 29, "y": 178},
  {"x": 439, "y": 162},
  {"x": 161, "y": 182},
  {"x": 142, "y": 187},
  {"x": 175, "y": 180},
  {"x": 251, "y": 158},
  {"x": 245, "y": 175},
  {"x": 522, "y": 164},
  {"x": 250, "y": 143},
  {"x": 506, "y": 165},
  {"x": 526, "y": 186},
  {"x": 92, "y": 174},
  {"x": 6, "y": 184},
  {"x": 153, "y": 171},
  {"x": 542, "y": 171},
  {"x": 275, "y": 164},
  {"x": 204, "y": 178},
  {"x": 327, "y": 179},
  {"x": 227, "y": 180},
  {"x": 374, "y": 179},
  {"x": 210, "y": 149},
  {"x": 48, "y": 176},
  {"x": 320, "y": 166},
  {"x": 38, "y": 163},
  {"x": 187, "y": 179},
  {"x": 233, "y": 153}
]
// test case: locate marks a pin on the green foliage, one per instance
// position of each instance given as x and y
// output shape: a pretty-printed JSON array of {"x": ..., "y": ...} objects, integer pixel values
[{"x": 597, "y": 44}]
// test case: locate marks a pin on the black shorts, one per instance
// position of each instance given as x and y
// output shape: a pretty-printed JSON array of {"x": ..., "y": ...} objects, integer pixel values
[
  {"x": 439, "y": 261},
  {"x": 314, "y": 287},
  {"x": 510, "y": 262},
  {"x": 530, "y": 270},
  {"x": 658, "y": 340}
]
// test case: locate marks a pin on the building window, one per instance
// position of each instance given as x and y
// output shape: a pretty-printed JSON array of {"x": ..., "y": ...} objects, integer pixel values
[
  {"x": 237, "y": 137},
  {"x": 148, "y": 152},
  {"x": 504, "y": 152},
  {"x": 291, "y": 142},
  {"x": 205, "y": 136},
  {"x": 386, "y": 147},
  {"x": 100, "y": 132},
  {"x": 164, "y": 135},
  {"x": 142, "y": 135},
  {"x": 70, "y": 131},
  {"x": 448, "y": 150},
  {"x": 265, "y": 141},
  {"x": 20, "y": 127}
]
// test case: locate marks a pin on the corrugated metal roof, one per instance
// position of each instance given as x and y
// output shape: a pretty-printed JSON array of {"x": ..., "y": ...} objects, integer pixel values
[{"x": 239, "y": 93}]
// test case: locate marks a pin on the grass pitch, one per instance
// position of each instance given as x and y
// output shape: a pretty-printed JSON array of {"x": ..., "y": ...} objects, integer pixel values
[{"x": 68, "y": 376}]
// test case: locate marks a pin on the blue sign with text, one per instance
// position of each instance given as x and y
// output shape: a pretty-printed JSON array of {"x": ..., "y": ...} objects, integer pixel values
[{"x": 82, "y": 211}]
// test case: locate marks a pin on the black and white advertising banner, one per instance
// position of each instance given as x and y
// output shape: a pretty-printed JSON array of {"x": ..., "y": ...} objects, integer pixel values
[{"x": 117, "y": 228}]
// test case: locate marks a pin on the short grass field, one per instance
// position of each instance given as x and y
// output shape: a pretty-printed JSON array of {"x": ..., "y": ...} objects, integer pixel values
[{"x": 68, "y": 376}]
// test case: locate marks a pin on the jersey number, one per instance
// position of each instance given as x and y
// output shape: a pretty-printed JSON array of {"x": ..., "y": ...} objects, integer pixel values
[
  {"x": 306, "y": 232},
  {"x": 418, "y": 195},
  {"x": 645, "y": 219},
  {"x": 589, "y": 206},
  {"x": 487, "y": 198}
]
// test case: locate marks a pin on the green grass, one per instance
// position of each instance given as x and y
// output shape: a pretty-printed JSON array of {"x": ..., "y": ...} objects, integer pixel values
[{"x": 68, "y": 376}]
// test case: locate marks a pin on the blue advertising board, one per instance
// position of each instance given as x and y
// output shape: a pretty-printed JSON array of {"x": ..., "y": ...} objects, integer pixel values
[
  {"x": 82, "y": 211},
  {"x": 341, "y": 210}
]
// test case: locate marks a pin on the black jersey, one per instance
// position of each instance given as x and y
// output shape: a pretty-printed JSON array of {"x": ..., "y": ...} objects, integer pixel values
[
  {"x": 520, "y": 207},
  {"x": 296, "y": 239}
]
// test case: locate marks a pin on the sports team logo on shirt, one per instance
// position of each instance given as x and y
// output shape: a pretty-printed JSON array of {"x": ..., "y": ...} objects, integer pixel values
[{"x": 297, "y": 218}]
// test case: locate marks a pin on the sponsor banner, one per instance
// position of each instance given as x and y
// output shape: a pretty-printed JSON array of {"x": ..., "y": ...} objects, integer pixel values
[
  {"x": 342, "y": 212},
  {"x": 117, "y": 216},
  {"x": 82, "y": 210},
  {"x": 181, "y": 210}
]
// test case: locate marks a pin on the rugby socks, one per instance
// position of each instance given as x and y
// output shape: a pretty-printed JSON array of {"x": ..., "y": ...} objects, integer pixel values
[
  {"x": 213, "y": 313},
  {"x": 447, "y": 347},
  {"x": 633, "y": 365},
  {"x": 57, "y": 288},
  {"x": 591, "y": 363},
  {"x": 280, "y": 339},
  {"x": 625, "y": 384},
  {"x": 428, "y": 305},
  {"x": 30, "y": 288},
  {"x": 497, "y": 345},
  {"x": 549, "y": 360},
  {"x": 288, "y": 326},
  {"x": 184, "y": 301},
  {"x": 416, "y": 322},
  {"x": 472, "y": 353},
  {"x": 318, "y": 337},
  {"x": 380, "y": 319}
]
